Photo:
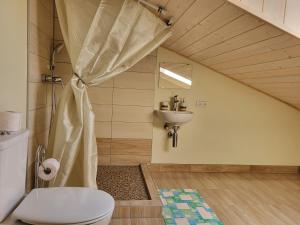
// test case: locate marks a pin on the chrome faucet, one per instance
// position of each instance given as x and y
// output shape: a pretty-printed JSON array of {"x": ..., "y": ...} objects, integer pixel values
[{"x": 175, "y": 103}]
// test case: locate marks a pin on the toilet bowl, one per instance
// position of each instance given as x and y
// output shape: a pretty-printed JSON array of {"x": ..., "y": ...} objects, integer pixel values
[
  {"x": 61, "y": 205},
  {"x": 65, "y": 205}
]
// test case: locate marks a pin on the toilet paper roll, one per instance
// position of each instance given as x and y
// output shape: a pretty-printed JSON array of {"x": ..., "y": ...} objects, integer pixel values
[
  {"x": 10, "y": 121},
  {"x": 48, "y": 169}
]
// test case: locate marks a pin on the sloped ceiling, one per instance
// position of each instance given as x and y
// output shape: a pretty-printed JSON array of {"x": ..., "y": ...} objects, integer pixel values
[{"x": 229, "y": 40}]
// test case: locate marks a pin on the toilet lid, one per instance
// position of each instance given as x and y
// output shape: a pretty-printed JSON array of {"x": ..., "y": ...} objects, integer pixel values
[{"x": 64, "y": 205}]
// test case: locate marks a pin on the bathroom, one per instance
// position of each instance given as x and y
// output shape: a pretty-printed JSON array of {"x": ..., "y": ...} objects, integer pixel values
[{"x": 240, "y": 143}]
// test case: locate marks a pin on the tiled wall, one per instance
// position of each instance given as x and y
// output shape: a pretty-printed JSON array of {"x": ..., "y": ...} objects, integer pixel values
[
  {"x": 124, "y": 115},
  {"x": 40, "y": 37},
  {"x": 123, "y": 107}
]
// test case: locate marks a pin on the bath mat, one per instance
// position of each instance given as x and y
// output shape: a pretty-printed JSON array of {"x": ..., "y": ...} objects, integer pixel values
[
  {"x": 122, "y": 182},
  {"x": 186, "y": 207}
]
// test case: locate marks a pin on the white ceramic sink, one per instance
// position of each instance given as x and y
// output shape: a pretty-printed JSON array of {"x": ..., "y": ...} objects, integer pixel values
[{"x": 175, "y": 117}]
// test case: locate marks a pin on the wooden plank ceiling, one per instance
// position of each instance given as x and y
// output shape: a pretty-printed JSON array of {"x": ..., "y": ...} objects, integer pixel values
[{"x": 229, "y": 40}]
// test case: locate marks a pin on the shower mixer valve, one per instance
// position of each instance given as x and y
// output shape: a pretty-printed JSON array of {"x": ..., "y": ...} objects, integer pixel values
[{"x": 52, "y": 79}]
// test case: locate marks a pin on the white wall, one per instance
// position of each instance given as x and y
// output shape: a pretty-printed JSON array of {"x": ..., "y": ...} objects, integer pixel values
[
  {"x": 283, "y": 14},
  {"x": 13, "y": 56},
  {"x": 238, "y": 126}
]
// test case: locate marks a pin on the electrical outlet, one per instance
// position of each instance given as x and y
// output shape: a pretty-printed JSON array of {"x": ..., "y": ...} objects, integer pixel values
[{"x": 201, "y": 103}]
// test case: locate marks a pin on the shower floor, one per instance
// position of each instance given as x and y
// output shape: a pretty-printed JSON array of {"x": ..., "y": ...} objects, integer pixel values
[{"x": 122, "y": 182}]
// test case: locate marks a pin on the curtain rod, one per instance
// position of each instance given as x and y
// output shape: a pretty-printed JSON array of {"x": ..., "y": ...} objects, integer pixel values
[{"x": 160, "y": 9}]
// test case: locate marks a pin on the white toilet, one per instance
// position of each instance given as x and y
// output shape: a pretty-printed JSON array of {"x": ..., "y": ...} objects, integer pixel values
[{"x": 45, "y": 206}]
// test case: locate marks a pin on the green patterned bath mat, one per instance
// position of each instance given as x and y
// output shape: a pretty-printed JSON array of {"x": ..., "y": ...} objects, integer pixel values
[{"x": 186, "y": 207}]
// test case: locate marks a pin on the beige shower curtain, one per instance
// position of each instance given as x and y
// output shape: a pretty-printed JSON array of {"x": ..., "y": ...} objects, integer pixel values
[{"x": 103, "y": 38}]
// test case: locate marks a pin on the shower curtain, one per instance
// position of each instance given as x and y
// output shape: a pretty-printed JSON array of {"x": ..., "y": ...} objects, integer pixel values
[{"x": 103, "y": 38}]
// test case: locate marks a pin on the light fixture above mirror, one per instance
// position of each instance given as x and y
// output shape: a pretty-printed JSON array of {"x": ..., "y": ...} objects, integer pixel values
[{"x": 175, "y": 75}]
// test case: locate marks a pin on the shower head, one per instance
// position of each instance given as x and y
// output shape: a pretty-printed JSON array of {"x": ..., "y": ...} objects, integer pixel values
[{"x": 57, "y": 49}]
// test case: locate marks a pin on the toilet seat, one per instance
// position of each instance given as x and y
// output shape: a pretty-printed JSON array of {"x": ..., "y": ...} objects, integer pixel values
[{"x": 65, "y": 205}]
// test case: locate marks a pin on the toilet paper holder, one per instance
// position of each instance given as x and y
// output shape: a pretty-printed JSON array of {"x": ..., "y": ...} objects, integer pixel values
[
  {"x": 45, "y": 170},
  {"x": 39, "y": 158},
  {"x": 4, "y": 132}
]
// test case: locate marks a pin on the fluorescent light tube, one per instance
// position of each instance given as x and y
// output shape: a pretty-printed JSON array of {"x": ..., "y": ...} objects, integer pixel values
[{"x": 175, "y": 76}]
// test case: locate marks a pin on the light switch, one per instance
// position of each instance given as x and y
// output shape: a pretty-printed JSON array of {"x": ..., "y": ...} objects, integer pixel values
[{"x": 201, "y": 103}]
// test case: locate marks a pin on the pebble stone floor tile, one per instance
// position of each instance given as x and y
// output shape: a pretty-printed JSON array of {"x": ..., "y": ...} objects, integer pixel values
[{"x": 122, "y": 182}]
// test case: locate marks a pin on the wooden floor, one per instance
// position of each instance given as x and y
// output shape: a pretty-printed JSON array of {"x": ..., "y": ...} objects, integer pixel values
[
  {"x": 138, "y": 221},
  {"x": 242, "y": 199},
  {"x": 238, "y": 199}
]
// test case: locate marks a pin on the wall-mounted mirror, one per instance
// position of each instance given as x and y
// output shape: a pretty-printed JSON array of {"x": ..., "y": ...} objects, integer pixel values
[{"x": 175, "y": 75}]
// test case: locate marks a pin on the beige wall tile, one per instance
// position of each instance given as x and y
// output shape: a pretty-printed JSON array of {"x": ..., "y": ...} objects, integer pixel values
[
  {"x": 104, "y": 160},
  {"x": 63, "y": 69},
  {"x": 123, "y": 151},
  {"x": 39, "y": 42},
  {"x": 103, "y": 129},
  {"x": 37, "y": 95},
  {"x": 38, "y": 120},
  {"x": 55, "y": 14},
  {"x": 37, "y": 66},
  {"x": 131, "y": 130},
  {"x": 135, "y": 80},
  {"x": 102, "y": 112},
  {"x": 63, "y": 55},
  {"x": 49, "y": 94},
  {"x": 41, "y": 15},
  {"x": 108, "y": 83},
  {"x": 132, "y": 113},
  {"x": 133, "y": 97},
  {"x": 126, "y": 146},
  {"x": 104, "y": 140},
  {"x": 129, "y": 159},
  {"x": 58, "y": 92},
  {"x": 57, "y": 32},
  {"x": 104, "y": 146},
  {"x": 31, "y": 146},
  {"x": 100, "y": 95},
  {"x": 29, "y": 177},
  {"x": 43, "y": 137},
  {"x": 147, "y": 64},
  {"x": 34, "y": 141},
  {"x": 49, "y": 5}
]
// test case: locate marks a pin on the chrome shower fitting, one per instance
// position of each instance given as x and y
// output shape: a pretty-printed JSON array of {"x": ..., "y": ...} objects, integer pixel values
[
  {"x": 52, "y": 79},
  {"x": 57, "y": 49},
  {"x": 39, "y": 158},
  {"x": 160, "y": 9}
]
